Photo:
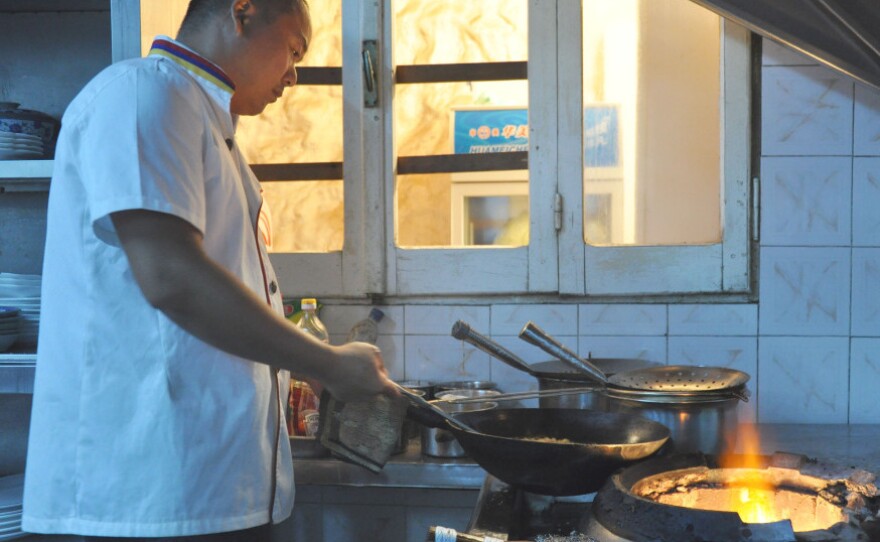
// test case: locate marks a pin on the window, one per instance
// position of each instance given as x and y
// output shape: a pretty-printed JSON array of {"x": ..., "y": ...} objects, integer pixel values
[{"x": 511, "y": 147}]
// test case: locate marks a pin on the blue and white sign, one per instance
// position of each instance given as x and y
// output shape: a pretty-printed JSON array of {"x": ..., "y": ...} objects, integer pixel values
[
  {"x": 601, "y": 136},
  {"x": 491, "y": 130}
]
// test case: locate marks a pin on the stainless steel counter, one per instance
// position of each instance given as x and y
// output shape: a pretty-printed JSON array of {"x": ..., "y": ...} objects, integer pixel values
[{"x": 847, "y": 445}]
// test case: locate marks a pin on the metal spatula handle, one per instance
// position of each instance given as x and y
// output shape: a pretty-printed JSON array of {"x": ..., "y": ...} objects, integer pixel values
[
  {"x": 420, "y": 403},
  {"x": 463, "y": 332},
  {"x": 536, "y": 336}
]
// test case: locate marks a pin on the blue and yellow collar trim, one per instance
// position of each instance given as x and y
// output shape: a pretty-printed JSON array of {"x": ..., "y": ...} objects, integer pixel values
[{"x": 192, "y": 62}]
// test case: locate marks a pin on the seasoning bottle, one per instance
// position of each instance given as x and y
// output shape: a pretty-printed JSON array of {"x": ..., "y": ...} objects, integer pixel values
[
  {"x": 303, "y": 400},
  {"x": 367, "y": 330}
]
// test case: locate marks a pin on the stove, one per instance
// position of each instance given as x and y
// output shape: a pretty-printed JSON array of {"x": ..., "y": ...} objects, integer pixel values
[{"x": 687, "y": 498}]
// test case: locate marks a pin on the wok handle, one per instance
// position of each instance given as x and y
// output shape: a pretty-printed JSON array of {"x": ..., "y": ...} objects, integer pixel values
[
  {"x": 462, "y": 331},
  {"x": 521, "y": 395},
  {"x": 538, "y": 337},
  {"x": 430, "y": 411}
]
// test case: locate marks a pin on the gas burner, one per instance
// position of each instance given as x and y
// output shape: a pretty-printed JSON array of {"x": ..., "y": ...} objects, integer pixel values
[{"x": 688, "y": 498}]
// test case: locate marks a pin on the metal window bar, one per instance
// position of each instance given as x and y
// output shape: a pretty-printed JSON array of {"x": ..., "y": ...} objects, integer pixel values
[{"x": 408, "y": 165}]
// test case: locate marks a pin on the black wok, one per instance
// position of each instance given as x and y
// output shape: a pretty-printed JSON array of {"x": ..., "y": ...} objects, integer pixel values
[
  {"x": 502, "y": 442},
  {"x": 601, "y": 443}
]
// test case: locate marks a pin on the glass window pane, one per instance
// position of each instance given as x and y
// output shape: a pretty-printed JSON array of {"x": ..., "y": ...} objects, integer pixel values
[
  {"x": 305, "y": 125},
  {"x": 452, "y": 31},
  {"x": 310, "y": 212},
  {"x": 459, "y": 118},
  {"x": 652, "y": 131}
]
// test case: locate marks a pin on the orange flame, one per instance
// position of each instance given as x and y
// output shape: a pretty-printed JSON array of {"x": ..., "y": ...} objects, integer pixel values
[{"x": 754, "y": 502}]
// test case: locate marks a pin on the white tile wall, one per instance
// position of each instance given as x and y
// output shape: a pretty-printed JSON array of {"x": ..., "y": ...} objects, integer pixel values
[
  {"x": 866, "y": 138},
  {"x": 713, "y": 320},
  {"x": 806, "y": 201},
  {"x": 440, "y": 358},
  {"x": 438, "y": 320},
  {"x": 807, "y": 110},
  {"x": 865, "y": 292},
  {"x": 864, "y": 381},
  {"x": 809, "y": 343},
  {"x": 339, "y": 319},
  {"x": 650, "y": 348},
  {"x": 554, "y": 319},
  {"x": 804, "y": 291},
  {"x": 866, "y": 201},
  {"x": 807, "y": 379},
  {"x": 622, "y": 319}
]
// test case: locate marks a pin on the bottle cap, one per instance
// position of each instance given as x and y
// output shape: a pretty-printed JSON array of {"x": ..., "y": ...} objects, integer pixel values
[
  {"x": 309, "y": 303},
  {"x": 377, "y": 314}
]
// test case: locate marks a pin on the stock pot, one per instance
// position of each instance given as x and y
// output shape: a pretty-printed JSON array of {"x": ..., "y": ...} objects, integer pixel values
[
  {"x": 555, "y": 375},
  {"x": 695, "y": 425}
]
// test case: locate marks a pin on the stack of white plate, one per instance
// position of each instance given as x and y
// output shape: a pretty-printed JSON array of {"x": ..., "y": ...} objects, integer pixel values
[
  {"x": 15, "y": 146},
  {"x": 10, "y": 318},
  {"x": 23, "y": 291},
  {"x": 11, "y": 491}
]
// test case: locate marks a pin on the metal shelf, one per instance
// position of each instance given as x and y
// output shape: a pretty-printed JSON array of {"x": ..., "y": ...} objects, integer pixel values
[{"x": 25, "y": 175}]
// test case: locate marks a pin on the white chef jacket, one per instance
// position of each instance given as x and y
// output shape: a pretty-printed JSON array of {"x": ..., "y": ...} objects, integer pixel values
[{"x": 138, "y": 428}]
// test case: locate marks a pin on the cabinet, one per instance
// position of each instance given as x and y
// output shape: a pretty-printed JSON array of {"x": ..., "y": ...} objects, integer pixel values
[{"x": 51, "y": 49}]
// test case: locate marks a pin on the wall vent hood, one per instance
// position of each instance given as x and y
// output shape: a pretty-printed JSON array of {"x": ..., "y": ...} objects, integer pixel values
[{"x": 843, "y": 34}]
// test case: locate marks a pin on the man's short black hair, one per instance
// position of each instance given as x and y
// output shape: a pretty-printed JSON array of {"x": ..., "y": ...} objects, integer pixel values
[{"x": 200, "y": 11}]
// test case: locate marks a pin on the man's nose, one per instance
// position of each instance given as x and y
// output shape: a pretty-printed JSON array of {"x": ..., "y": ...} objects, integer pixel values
[{"x": 290, "y": 76}]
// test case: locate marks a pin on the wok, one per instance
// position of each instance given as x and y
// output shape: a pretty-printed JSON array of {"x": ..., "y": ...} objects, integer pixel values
[{"x": 499, "y": 441}]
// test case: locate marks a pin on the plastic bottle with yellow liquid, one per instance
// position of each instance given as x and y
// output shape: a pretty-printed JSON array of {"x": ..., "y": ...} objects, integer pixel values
[{"x": 303, "y": 400}]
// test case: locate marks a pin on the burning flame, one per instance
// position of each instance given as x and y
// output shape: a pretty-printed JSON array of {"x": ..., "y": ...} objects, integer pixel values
[{"x": 754, "y": 502}]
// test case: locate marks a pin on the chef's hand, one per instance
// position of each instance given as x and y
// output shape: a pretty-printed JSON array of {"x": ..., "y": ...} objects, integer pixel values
[{"x": 359, "y": 373}]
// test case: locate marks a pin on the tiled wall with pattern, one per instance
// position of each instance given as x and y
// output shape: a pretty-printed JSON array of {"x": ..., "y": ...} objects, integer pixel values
[{"x": 812, "y": 342}]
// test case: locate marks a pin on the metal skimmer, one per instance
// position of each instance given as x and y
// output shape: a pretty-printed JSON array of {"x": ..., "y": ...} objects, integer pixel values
[{"x": 680, "y": 378}]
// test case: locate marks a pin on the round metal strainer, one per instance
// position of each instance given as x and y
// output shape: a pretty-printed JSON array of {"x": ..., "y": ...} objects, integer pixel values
[{"x": 680, "y": 378}]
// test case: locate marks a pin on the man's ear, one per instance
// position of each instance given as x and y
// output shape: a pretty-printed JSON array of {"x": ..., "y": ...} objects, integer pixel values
[{"x": 242, "y": 14}]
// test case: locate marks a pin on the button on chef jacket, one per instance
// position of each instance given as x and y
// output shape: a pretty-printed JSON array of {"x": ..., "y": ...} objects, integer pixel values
[{"x": 138, "y": 428}]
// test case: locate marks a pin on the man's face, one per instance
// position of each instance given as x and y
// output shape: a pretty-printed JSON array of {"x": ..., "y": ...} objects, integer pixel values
[{"x": 269, "y": 54}]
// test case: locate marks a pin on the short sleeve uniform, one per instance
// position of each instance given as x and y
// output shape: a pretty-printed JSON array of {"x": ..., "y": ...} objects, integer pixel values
[{"x": 138, "y": 428}]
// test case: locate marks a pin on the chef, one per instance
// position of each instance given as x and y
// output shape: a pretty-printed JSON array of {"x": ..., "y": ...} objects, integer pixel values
[{"x": 163, "y": 359}]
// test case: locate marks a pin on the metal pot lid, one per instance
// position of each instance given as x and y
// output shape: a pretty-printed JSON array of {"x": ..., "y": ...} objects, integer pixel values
[{"x": 680, "y": 378}]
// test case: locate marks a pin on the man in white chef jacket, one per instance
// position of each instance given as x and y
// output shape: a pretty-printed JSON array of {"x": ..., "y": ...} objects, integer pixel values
[{"x": 163, "y": 359}]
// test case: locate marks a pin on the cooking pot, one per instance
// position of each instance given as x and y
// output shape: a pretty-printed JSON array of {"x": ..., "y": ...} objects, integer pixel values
[
  {"x": 555, "y": 375},
  {"x": 695, "y": 425},
  {"x": 439, "y": 441}
]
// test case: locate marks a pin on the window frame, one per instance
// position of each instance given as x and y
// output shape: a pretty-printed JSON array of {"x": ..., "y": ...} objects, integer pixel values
[
  {"x": 554, "y": 263},
  {"x": 723, "y": 267}
]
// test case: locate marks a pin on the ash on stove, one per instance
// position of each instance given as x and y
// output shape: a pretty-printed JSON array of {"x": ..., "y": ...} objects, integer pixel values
[{"x": 573, "y": 537}]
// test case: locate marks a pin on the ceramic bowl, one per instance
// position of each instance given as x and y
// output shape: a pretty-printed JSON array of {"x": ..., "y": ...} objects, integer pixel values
[{"x": 14, "y": 120}]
